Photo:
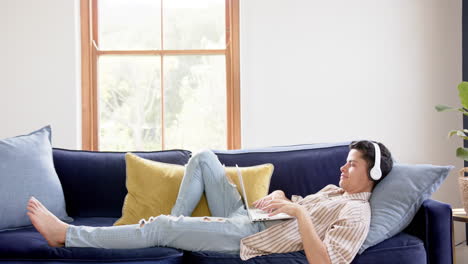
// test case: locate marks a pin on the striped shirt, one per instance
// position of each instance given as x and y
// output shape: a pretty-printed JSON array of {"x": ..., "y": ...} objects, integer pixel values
[{"x": 340, "y": 220}]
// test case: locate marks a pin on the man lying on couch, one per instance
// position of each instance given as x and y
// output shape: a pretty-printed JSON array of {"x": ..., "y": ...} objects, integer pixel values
[{"x": 329, "y": 226}]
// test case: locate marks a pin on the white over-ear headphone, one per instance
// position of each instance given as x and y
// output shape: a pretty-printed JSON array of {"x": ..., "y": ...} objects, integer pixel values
[{"x": 375, "y": 172}]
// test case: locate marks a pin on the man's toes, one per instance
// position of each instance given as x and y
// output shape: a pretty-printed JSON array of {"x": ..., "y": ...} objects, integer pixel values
[
  {"x": 40, "y": 205},
  {"x": 37, "y": 204},
  {"x": 30, "y": 208},
  {"x": 33, "y": 202}
]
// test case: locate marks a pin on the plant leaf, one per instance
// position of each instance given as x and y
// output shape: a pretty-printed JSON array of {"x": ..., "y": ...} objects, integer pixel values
[
  {"x": 452, "y": 132},
  {"x": 462, "y": 153},
  {"x": 463, "y": 94},
  {"x": 442, "y": 108},
  {"x": 459, "y": 133}
]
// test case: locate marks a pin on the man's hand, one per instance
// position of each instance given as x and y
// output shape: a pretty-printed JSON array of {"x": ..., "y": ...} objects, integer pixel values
[
  {"x": 265, "y": 201},
  {"x": 281, "y": 206}
]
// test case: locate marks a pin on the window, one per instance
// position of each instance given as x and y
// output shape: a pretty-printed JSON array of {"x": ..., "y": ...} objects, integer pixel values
[{"x": 160, "y": 74}]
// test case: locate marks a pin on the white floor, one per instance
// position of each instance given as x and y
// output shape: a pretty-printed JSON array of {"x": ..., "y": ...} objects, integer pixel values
[{"x": 461, "y": 253}]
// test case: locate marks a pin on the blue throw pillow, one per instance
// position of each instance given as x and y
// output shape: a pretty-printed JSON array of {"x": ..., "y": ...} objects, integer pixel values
[
  {"x": 397, "y": 198},
  {"x": 27, "y": 169}
]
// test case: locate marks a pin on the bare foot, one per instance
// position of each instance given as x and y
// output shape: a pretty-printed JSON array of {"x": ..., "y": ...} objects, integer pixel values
[{"x": 50, "y": 227}]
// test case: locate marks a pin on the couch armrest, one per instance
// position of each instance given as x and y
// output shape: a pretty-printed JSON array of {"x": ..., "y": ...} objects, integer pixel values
[{"x": 433, "y": 225}]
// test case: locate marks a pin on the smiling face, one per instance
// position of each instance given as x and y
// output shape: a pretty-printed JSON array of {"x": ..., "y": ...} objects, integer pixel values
[{"x": 355, "y": 174}]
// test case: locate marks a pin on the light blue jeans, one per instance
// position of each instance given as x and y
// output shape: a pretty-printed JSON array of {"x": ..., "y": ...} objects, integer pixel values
[{"x": 222, "y": 232}]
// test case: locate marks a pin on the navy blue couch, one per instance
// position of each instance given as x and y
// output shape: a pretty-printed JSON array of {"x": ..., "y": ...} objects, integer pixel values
[{"x": 94, "y": 188}]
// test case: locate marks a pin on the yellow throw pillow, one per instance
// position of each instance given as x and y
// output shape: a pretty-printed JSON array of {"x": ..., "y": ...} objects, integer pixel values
[
  {"x": 256, "y": 180},
  {"x": 153, "y": 187}
]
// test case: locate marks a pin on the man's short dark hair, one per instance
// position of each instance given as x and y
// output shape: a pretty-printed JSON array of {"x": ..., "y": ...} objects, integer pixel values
[{"x": 368, "y": 154}]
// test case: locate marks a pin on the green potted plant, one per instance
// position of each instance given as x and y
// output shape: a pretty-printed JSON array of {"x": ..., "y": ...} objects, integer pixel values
[{"x": 460, "y": 152}]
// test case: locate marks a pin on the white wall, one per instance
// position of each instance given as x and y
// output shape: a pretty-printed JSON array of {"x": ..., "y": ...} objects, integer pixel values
[
  {"x": 40, "y": 69},
  {"x": 338, "y": 70}
]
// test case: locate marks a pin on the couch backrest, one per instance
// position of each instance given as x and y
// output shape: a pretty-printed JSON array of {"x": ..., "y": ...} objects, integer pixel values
[
  {"x": 299, "y": 170},
  {"x": 94, "y": 182}
]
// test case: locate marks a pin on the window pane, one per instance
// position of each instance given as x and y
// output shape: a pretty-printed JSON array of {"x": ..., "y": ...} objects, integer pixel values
[
  {"x": 129, "y": 102},
  {"x": 190, "y": 24},
  {"x": 129, "y": 24},
  {"x": 195, "y": 102}
]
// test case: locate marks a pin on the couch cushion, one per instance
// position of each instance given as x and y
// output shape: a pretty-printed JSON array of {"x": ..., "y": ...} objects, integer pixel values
[
  {"x": 299, "y": 170},
  {"x": 27, "y": 244},
  {"x": 94, "y": 182},
  {"x": 214, "y": 258},
  {"x": 396, "y": 199},
  {"x": 402, "y": 248},
  {"x": 27, "y": 169}
]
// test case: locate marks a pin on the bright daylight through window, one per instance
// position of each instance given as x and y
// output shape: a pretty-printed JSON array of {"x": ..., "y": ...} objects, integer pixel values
[{"x": 162, "y": 75}]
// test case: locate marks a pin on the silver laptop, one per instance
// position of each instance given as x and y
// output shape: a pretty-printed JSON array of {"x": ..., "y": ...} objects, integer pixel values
[{"x": 256, "y": 214}]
